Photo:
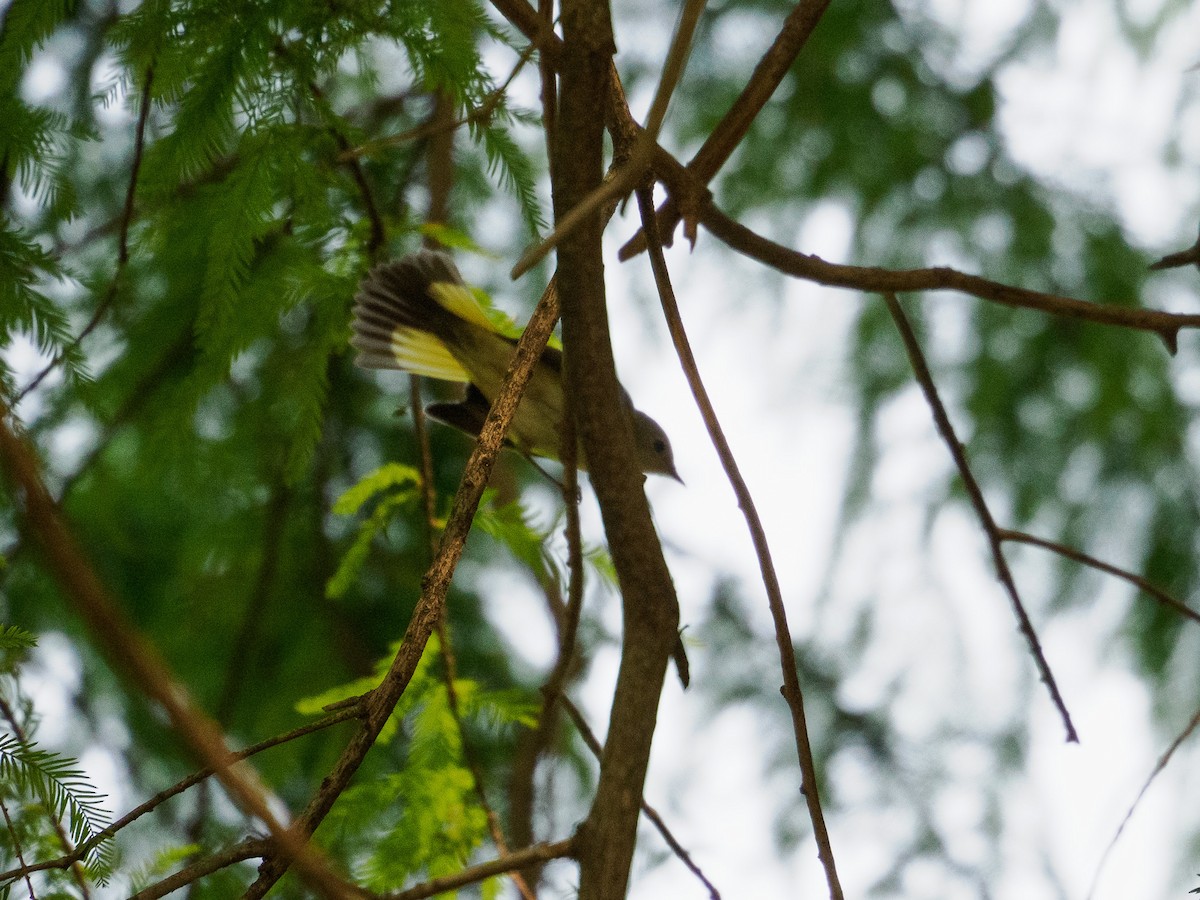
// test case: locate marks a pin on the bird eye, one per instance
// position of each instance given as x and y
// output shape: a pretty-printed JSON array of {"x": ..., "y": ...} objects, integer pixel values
[{"x": 660, "y": 446}]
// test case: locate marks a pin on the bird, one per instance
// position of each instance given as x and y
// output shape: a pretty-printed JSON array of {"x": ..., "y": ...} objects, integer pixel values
[{"x": 418, "y": 315}]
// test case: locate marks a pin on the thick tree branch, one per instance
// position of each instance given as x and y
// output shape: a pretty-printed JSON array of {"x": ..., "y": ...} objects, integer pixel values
[
  {"x": 1003, "y": 573},
  {"x": 791, "y": 691},
  {"x": 651, "y": 614}
]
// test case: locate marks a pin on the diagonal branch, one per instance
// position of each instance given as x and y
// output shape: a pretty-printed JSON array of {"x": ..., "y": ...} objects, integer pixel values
[
  {"x": 791, "y": 691},
  {"x": 334, "y": 718},
  {"x": 1003, "y": 573},
  {"x": 1079, "y": 556},
  {"x": 729, "y": 132},
  {"x": 593, "y": 744},
  {"x": 434, "y": 585},
  {"x": 620, "y": 182}
]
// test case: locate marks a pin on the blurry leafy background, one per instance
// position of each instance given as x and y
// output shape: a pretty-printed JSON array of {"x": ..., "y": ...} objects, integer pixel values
[{"x": 200, "y": 436}]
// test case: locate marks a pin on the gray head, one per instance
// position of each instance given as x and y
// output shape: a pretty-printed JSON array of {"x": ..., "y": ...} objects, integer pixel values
[{"x": 653, "y": 447}]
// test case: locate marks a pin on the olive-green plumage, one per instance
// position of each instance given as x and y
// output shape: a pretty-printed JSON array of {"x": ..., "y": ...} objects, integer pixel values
[{"x": 417, "y": 314}]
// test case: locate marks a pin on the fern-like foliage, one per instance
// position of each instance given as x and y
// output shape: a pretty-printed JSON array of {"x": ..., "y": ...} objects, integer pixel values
[
  {"x": 393, "y": 486},
  {"x": 59, "y": 787},
  {"x": 424, "y": 818}
]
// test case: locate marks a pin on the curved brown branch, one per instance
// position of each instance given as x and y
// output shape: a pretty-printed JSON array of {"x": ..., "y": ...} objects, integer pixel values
[
  {"x": 649, "y": 605},
  {"x": 791, "y": 690},
  {"x": 992, "y": 532},
  {"x": 940, "y": 278},
  {"x": 1079, "y": 556},
  {"x": 206, "y": 865}
]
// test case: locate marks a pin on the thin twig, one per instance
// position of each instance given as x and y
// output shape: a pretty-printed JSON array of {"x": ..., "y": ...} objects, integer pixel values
[
  {"x": 509, "y": 862},
  {"x": 1163, "y": 760},
  {"x": 1079, "y": 556},
  {"x": 619, "y": 183},
  {"x": 991, "y": 531},
  {"x": 791, "y": 690},
  {"x": 126, "y": 221},
  {"x": 162, "y": 796},
  {"x": 17, "y": 849},
  {"x": 730, "y": 131},
  {"x": 589, "y": 738}
]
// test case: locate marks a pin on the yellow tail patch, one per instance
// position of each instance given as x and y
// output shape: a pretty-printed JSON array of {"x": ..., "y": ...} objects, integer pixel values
[
  {"x": 460, "y": 300},
  {"x": 420, "y": 353}
]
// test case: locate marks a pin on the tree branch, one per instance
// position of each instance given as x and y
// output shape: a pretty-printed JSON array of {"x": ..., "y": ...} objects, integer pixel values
[
  {"x": 871, "y": 279},
  {"x": 1079, "y": 556},
  {"x": 509, "y": 862},
  {"x": 1003, "y": 573},
  {"x": 434, "y": 585},
  {"x": 791, "y": 691},
  {"x": 650, "y": 609},
  {"x": 729, "y": 132}
]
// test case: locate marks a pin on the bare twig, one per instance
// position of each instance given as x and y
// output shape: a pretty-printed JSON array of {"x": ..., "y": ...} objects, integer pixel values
[
  {"x": 620, "y": 182},
  {"x": 17, "y": 849},
  {"x": 791, "y": 690},
  {"x": 334, "y": 718},
  {"x": 589, "y": 738},
  {"x": 126, "y": 221},
  {"x": 1161, "y": 765},
  {"x": 729, "y": 132},
  {"x": 869, "y": 278},
  {"x": 435, "y": 584},
  {"x": 509, "y": 862},
  {"x": 992, "y": 532},
  {"x": 1079, "y": 556}
]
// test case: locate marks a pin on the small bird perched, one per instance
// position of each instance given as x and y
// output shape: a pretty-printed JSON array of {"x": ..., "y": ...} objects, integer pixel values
[{"x": 418, "y": 315}]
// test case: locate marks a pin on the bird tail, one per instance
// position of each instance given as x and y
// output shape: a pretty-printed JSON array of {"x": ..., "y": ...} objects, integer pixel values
[{"x": 405, "y": 311}]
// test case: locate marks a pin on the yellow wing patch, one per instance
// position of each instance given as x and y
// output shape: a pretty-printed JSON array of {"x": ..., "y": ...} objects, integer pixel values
[
  {"x": 421, "y": 353},
  {"x": 458, "y": 299}
]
